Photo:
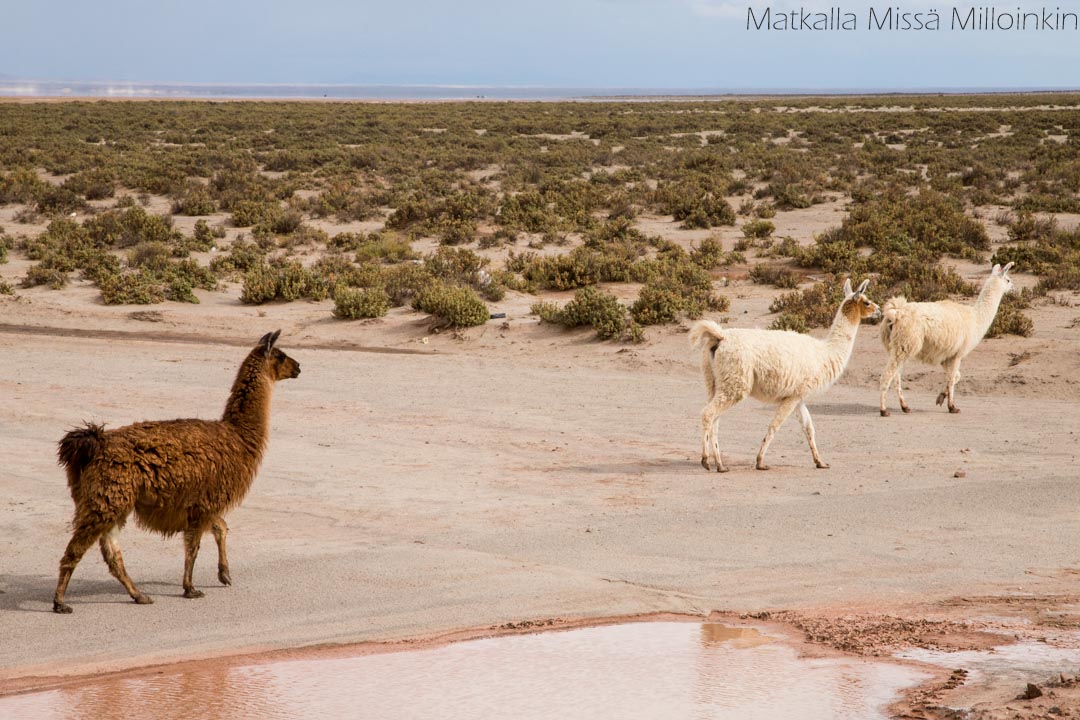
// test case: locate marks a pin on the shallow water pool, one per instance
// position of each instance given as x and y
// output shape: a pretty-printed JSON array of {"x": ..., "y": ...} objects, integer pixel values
[{"x": 669, "y": 670}]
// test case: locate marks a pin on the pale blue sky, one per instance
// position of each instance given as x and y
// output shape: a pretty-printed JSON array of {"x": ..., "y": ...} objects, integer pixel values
[{"x": 558, "y": 43}]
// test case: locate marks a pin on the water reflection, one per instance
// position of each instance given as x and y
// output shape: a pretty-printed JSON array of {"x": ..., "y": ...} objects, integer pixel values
[{"x": 664, "y": 670}]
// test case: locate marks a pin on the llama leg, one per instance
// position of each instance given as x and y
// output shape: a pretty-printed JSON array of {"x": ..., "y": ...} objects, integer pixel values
[
  {"x": 952, "y": 375},
  {"x": 781, "y": 415},
  {"x": 887, "y": 378},
  {"x": 110, "y": 550},
  {"x": 900, "y": 392},
  {"x": 192, "y": 540},
  {"x": 84, "y": 536},
  {"x": 220, "y": 530},
  {"x": 954, "y": 378},
  {"x": 710, "y": 419},
  {"x": 808, "y": 428}
]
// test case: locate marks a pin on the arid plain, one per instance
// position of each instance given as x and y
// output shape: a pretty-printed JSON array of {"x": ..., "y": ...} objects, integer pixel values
[{"x": 425, "y": 481}]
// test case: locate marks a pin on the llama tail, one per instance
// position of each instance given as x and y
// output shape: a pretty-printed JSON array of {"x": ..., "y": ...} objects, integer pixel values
[
  {"x": 890, "y": 311},
  {"x": 77, "y": 449},
  {"x": 706, "y": 334}
]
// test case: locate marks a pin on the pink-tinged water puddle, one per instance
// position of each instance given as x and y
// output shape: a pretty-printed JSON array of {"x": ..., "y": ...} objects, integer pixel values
[{"x": 668, "y": 670}]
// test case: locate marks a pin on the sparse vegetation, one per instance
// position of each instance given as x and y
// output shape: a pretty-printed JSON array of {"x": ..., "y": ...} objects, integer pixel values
[{"x": 530, "y": 179}]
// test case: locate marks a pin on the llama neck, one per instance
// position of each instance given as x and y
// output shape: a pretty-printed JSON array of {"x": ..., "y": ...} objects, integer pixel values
[
  {"x": 248, "y": 407},
  {"x": 986, "y": 305},
  {"x": 841, "y": 340}
]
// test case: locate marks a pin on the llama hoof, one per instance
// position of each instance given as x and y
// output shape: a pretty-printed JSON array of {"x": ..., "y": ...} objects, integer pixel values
[
  {"x": 705, "y": 463},
  {"x": 223, "y": 577},
  {"x": 193, "y": 593},
  {"x": 143, "y": 600},
  {"x": 885, "y": 413},
  {"x": 941, "y": 398},
  {"x": 721, "y": 468},
  {"x": 822, "y": 465},
  {"x": 905, "y": 408},
  {"x": 61, "y": 608},
  {"x": 762, "y": 466},
  {"x": 953, "y": 409}
]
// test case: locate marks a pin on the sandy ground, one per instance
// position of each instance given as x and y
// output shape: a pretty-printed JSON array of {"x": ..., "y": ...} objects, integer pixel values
[{"x": 418, "y": 484}]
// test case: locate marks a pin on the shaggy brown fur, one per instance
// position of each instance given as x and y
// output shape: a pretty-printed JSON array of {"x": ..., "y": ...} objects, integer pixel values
[{"x": 176, "y": 475}]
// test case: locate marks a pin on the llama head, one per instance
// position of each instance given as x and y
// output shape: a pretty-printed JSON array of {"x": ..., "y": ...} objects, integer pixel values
[
  {"x": 999, "y": 274},
  {"x": 279, "y": 366},
  {"x": 856, "y": 305}
]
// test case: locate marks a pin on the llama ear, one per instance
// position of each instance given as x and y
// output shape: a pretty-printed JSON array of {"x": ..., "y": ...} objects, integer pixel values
[
  {"x": 847, "y": 288},
  {"x": 1007, "y": 268},
  {"x": 996, "y": 270},
  {"x": 862, "y": 286},
  {"x": 267, "y": 341}
]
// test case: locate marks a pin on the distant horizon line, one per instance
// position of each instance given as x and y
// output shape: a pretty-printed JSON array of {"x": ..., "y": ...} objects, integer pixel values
[{"x": 11, "y": 86}]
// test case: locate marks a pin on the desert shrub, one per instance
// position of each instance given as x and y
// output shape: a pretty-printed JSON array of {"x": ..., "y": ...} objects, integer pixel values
[
  {"x": 194, "y": 200},
  {"x": 153, "y": 276},
  {"x": 204, "y": 237},
  {"x": 55, "y": 200},
  {"x": 385, "y": 248},
  {"x": 124, "y": 228},
  {"x": 789, "y": 321},
  {"x": 63, "y": 247},
  {"x": 454, "y": 305},
  {"x": 527, "y": 211},
  {"x": 697, "y": 205},
  {"x": 810, "y": 307},
  {"x": 6, "y": 288},
  {"x": 895, "y": 237},
  {"x": 21, "y": 186},
  {"x": 343, "y": 202},
  {"x": 242, "y": 257},
  {"x": 674, "y": 289},
  {"x": 135, "y": 288},
  {"x": 284, "y": 222},
  {"x": 93, "y": 184},
  {"x": 246, "y": 213},
  {"x": 456, "y": 231},
  {"x": 42, "y": 274},
  {"x": 455, "y": 265},
  {"x": 1010, "y": 318},
  {"x": 708, "y": 255},
  {"x": 153, "y": 256},
  {"x": 780, "y": 277},
  {"x": 404, "y": 282},
  {"x": 260, "y": 285},
  {"x": 758, "y": 229},
  {"x": 590, "y": 306},
  {"x": 1046, "y": 250},
  {"x": 303, "y": 235},
  {"x": 353, "y": 303}
]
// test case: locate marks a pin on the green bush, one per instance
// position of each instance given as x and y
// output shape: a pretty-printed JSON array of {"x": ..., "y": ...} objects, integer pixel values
[
  {"x": 41, "y": 274},
  {"x": 590, "y": 306},
  {"x": 247, "y": 213},
  {"x": 353, "y": 303},
  {"x": 454, "y": 305},
  {"x": 260, "y": 285},
  {"x": 1010, "y": 318},
  {"x": 763, "y": 274},
  {"x": 758, "y": 229},
  {"x": 137, "y": 288}
]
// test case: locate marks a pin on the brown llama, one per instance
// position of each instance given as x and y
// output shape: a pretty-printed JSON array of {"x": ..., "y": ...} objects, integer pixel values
[{"x": 176, "y": 475}]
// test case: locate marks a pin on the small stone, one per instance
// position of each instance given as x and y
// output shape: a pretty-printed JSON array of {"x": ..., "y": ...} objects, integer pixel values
[
  {"x": 960, "y": 474},
  {"x": 1031, "y": 692}
]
